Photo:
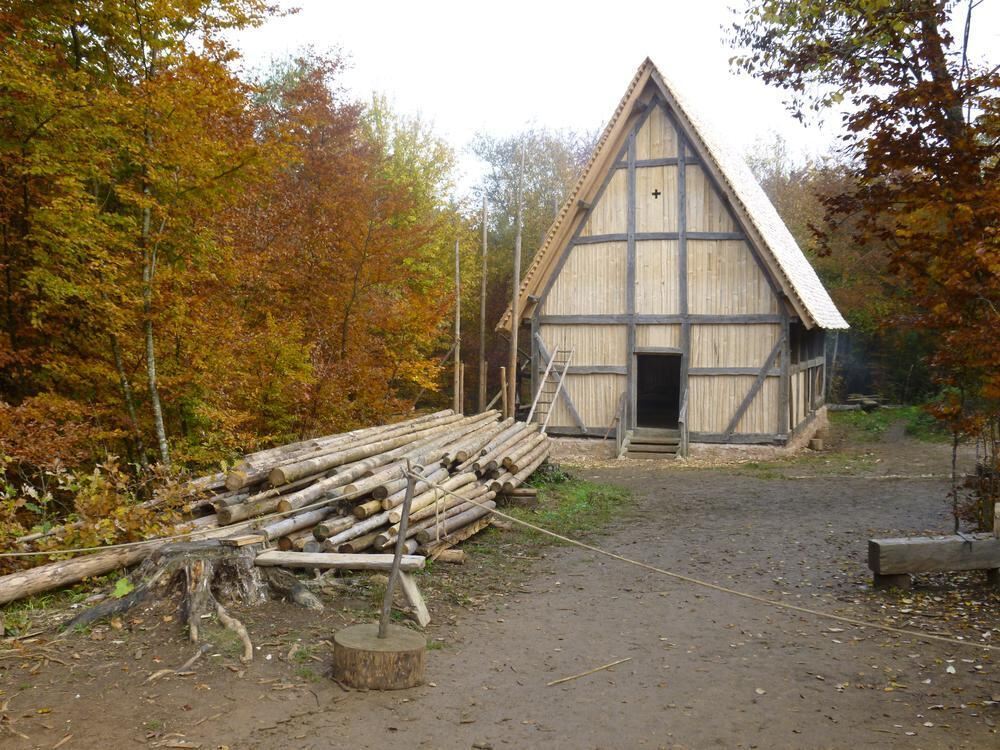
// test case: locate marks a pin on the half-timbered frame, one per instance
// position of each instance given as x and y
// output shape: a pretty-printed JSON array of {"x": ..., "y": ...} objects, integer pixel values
[{"x": 681, "y": 293}]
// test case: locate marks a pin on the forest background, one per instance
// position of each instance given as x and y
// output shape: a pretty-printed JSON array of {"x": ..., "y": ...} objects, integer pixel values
[{"x": 201, "y": 259}]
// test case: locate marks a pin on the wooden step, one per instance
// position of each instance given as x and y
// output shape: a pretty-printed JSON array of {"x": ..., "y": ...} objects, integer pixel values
[
  {"x": 646, "y": 448},
  {"x": 643, "y": 454},
  {"x": 640, "y": 440}
]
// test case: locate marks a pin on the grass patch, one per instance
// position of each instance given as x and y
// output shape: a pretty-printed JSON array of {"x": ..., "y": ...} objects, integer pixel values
[
  {"x": 572, "y": 507},
  {"x": 870, "y": 426}
]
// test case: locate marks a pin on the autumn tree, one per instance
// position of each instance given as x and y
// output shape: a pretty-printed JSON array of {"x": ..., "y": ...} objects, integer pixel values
[
  {"x": 871, "y": 356},
  {"x": 348, "y": 238},
  {"x": 921, "y": 127},
  {"x": 553, "y": 161},
  {"x": 131, "y": 124}
]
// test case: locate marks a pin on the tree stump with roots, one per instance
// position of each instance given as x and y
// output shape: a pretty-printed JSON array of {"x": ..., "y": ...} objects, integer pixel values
[{"x": 204, "y": 571}]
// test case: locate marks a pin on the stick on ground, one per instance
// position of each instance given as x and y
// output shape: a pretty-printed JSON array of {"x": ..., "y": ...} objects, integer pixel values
[{"x": 589, "y": 671}]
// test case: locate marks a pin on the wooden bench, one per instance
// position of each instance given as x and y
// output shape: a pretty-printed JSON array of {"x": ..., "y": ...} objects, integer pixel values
[{"x": 894, "y": 560}]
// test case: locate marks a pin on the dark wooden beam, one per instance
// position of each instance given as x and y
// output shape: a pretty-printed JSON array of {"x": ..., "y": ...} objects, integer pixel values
[
  {"x": 682, "y": 260},
  {"x": 658, "y": 350},
  {"x": 784, "y": 421},
  {"x": 649, "y": 319},
  {"x": 630, "y": 280},
  {"x": 595, "y": 239},
  {"x": 934, "y": 554},
  {"x": 774, "y": 372},
  {"x": 598, "y": 370},
  {"x": 590, "y": 431},
  {"x": 739, "y": 438}
]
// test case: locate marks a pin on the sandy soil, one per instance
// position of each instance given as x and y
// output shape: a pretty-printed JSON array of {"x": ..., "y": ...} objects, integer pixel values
[{"x": 706, "y": 669}]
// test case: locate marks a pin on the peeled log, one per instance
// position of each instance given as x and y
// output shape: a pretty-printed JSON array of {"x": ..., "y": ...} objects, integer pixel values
[
  {"x": 455, "y": 522},
  {"x": 291, "y": 472},
  {"x": 358, "y": 544},
  {"x": 360, "y": 528},
  {"x": 366, "y": 509},
  {"x": 395, "y": 497},
  {"x": 408, "y": 563},
  {"x": 522, "y": 449},
  {"x": 434, "y": 549},
  {"x": 256, "y": 467},
  {"x": 528, "y": 459},
  {"x": 55, "y": 575},
  {"x": 299, "y": 521},
  {"x": 432, "y": 495},
  {"x": 326, "y": 529}
]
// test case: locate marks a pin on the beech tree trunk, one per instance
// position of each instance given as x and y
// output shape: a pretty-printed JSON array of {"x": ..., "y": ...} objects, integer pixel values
[{"x": 129, "y": 400}]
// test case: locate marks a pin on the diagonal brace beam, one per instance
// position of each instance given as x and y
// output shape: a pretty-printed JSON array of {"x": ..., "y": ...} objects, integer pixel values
[{"x": 755, "y": 388}]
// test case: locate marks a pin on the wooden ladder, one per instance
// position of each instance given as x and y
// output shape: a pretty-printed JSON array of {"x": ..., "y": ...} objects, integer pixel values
[{"x": 551, "y": 385}]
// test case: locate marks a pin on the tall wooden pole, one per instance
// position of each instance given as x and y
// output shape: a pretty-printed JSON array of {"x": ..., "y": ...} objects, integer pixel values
[
  {"x": 515, "y": 312},
  {"x": 458, "y": 333},
  {"x": 482, "y": 322}
]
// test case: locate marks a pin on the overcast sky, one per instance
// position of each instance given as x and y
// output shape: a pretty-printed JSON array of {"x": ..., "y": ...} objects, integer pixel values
[{"x": 499, "y": 66}]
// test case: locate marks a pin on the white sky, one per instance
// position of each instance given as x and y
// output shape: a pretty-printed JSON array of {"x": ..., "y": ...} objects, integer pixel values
[{"x": 499, "y": 66}]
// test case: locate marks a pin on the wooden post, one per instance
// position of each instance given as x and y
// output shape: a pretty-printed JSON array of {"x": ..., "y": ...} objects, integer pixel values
[
  {"x": 458, "y": 333},
  {"x": 515, "y": 313},
  {"x": 461, "y": 384},
  {"x": 503, "y": 392},
  {"x": 383, "y": 624},
  {"x": 482, "y": 322}
]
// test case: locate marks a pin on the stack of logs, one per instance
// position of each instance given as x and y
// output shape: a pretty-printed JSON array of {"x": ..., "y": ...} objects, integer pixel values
[{"x": 344, "y": 493}]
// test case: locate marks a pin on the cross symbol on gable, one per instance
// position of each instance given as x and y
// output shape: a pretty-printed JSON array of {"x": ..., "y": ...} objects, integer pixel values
[{"x": 657, "y": 193}]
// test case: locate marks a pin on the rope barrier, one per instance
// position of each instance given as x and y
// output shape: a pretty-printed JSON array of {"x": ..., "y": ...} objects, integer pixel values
[{"x": 733, "y": 592}]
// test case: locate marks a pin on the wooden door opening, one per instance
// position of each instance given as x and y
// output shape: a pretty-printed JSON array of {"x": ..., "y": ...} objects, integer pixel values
[{"x": 658, "y": 390}]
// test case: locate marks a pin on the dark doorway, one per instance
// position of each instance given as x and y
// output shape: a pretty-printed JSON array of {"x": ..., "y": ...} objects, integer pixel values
[{"x": 658, "y": 390}]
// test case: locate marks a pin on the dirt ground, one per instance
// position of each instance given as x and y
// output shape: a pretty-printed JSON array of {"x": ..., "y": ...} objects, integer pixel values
[{"x": 705, "y": 669}]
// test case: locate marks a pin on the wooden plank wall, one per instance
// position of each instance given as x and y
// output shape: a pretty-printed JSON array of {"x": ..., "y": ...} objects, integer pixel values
[
  {"x": 724, "y": 279},
  {"x": 595, "y": 397},
  {"x": 592, "y": 281},
  {"x": 713, "y": 399},
  {"x": 656, "y": 271},
  {"x": 592, "y": 344},
  {"x": 660, "y": 336},
  {"x": 744, "y": 345},
  {"x": 608, "y": 215}
]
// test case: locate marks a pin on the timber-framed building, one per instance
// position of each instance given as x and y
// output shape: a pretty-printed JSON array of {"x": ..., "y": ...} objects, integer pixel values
[{"x": 685, "y": 301}]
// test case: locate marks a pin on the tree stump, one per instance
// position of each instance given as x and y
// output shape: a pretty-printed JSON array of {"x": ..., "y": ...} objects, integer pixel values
[
  {"x": 205, "y": 568},
  {"x": 363, "y": 660}
]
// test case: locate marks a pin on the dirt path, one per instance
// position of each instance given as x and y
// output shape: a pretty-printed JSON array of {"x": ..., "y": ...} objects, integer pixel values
[{"x": 706, "y": 669}]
